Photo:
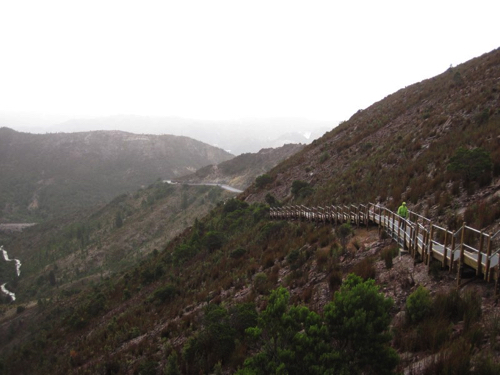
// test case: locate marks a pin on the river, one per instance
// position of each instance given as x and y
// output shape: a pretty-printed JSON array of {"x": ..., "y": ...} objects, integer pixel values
[{"x": 18, "y": 271}]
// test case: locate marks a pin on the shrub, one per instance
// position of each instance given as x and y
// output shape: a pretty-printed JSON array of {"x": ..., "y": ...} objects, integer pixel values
[
  {"x": 344, "y": 232},
  {"x": 388, "y": 254},
  {"x": 242, "y": 316},
  {"x": 432, "y": 334},
  {"x": 418, "y": 304},
  {"x": 164, "y": 293},
  {"x": 335, "y": 280},
  {"x": 365, "y": 269},
  {"x": 471, "y": 165},
  {"x": 472, "y": 308},
  {"x": 234, "y": 204},
  {"x": 213, "y": 240},
  {"x": 183, "y": 252},
  {"x": 322, "y": 257},
  {"x": 359, "y": 320},
  {"x": 324, "y": 157},
  {"x": 238, "y": 253},
  {"x": 448, "y": 305},
  {"x": 455, "y": 360},
  {"x": 271, "y": 200},
  {"x": 172, "y": 368},
  {"x": 260, "y": 283},
  {"x": 263, "y": 180},
  {"x": 301, "y": 189}
]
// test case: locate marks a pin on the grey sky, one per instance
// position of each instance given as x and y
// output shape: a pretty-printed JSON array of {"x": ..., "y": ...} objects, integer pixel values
[{"x": 229, "y": 59}]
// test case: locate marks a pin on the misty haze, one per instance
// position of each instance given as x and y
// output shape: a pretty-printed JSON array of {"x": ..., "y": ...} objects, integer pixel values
[{"x": 251, "y": 188}]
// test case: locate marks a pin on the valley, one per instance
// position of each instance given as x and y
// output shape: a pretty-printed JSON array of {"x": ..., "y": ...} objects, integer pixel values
[{"x": 178, "y": 277}]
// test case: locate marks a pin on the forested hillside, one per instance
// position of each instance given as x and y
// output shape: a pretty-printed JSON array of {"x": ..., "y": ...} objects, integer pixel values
[{"x": 49, "y": 175}]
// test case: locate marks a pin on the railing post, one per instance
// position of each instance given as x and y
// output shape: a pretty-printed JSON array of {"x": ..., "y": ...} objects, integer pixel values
[
  {"x": 399, "y": 228},
  {"x": 445, "y": 250},
  {"x": 452, "y": 252},
  {"x": 429, "y": 247},
  {"x": 461, "y": 259},
  {"x": 479, "y": 255},
  {"x": 497, "y": 273},
  {"x": 379, "y": 220},
  {"x": 367, "y": 213},
  {"x": 416, "y": 241},
  {"x": 487, "y": 271},
  {"x": 404, "y": 236},
  {"x": 392, "y": 226},
  {"x": 425, "y": 236}
]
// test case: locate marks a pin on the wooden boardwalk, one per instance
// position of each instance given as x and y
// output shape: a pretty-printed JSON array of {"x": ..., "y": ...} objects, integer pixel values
[{"x": 420, "y": 236}]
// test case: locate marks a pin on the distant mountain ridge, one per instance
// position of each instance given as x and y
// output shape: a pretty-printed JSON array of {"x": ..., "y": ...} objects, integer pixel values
[
  {"x": 242, "y": 170},
  {"x": 235, "y": 136},
  {"x": 49, "y": 174}
]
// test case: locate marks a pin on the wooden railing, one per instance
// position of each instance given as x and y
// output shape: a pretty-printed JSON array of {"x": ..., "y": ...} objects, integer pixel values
[{"x": 466, "y": 246}]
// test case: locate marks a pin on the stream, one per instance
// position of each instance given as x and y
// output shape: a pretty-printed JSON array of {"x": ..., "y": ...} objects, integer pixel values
[{"x": 18, "y": 271}]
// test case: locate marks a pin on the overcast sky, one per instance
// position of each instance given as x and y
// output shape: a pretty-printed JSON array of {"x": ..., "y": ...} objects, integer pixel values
[{"x": 232, "y": 59}]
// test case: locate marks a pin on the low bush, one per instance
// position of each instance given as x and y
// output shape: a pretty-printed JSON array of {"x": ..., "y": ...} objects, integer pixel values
[
  {"x": 418, "y": 304},
  {"x": 238, "y": 253},
  {"x": 263, "y": 180},
  {"x": 388, "y": 254},
  {"x": 365, "y": 269}
]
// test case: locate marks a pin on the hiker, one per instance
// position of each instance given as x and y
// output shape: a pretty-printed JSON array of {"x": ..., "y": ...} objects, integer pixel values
[{"x": 403, "y": 212}]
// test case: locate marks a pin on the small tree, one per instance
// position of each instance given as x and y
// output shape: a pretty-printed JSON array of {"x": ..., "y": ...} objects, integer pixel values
[
  {"x": 301, "y": 189},
  {"x": 263, "y": 180},
  {"x": 172, "y": 368},
  {"x": 344, "y": 232},
  {"x": 293, "y": 339},
  {"x": 213, "y": 240},
  {"x": 471, "y": 165},
  {"x": 271, "y": 200},
  {"x": 418, "y": 304},
  {"x": 358, "y": 320}
]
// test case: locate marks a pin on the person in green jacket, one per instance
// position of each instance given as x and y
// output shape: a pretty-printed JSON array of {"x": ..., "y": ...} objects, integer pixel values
[{"x": 403, "y": 212}]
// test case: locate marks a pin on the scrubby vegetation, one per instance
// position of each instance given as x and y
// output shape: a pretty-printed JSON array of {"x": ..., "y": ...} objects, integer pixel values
[{"x": 238, "y": 293}]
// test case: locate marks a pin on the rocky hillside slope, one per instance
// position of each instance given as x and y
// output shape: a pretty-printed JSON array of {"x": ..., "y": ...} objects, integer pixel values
[
  {"x": 210, "y": 300},
  {"x": 400, "y": 148},
  {"x": 46, "y": 175},
  {"x": 241, "y": 171}
]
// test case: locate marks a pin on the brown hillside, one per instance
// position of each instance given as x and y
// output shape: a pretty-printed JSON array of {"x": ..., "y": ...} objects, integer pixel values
[
  {"x": 187, "y": 307},
  {"x": 399, "y": 148},
  {"x": 241, "y": 171}
]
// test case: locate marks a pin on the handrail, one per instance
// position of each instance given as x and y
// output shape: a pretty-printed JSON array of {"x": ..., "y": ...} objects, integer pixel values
[
  {"x": 419, "y": 237},
  {"x": 473, "y": 229}
]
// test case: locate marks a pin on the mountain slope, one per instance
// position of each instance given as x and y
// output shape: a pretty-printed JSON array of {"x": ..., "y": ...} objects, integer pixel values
[
  {"x": 241, "y": 171},
  {"x": 188, "y": 305},
  {"x": 52, "y": 174},
  {"x": 400, "y": 148},
  {"x": 125, "y": 231}
]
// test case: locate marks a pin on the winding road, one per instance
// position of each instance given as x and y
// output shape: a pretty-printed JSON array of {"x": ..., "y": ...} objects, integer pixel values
[{"x": 222, "y": 186}]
